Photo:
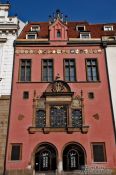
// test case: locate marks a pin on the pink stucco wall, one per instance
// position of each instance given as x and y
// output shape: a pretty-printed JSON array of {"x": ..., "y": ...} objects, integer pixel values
[{"x": 100, "y": 130}]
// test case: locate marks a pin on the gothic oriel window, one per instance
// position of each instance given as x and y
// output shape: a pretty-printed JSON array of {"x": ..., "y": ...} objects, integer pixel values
[
  {"x": 58, "y": 115},
  {"x": 40, "y": 118},
  {"x": 47, "y": 70},
  {"x": 70, "y": 70},
  {"x": 58, "y": 110},
  {"x": 25, "y": 70},
  {"x": 76, "y": 118},
  {"x": 92, "y": 70}
]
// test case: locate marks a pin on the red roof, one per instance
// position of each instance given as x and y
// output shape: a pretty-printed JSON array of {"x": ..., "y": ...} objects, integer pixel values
[{"x": 96, "y": 30}]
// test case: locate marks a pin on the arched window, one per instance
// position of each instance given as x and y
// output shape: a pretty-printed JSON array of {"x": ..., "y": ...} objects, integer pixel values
[
  {"x": 45, "y": 158},
  {"x": 73, "y": 157}
]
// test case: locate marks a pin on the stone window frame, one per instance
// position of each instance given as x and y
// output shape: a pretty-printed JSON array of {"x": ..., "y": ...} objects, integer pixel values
[
  {"x": 20, "y": 67},
  {"x": 104, "y": 152},
  {"x": 75, "y": 75},
  {"x": 20, "y": 153},
  {"x": 42, "y": 67},
  {"x": 91, "y": 66}
]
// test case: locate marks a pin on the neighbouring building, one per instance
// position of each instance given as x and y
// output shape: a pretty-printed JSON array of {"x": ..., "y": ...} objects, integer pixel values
[
  {"x": 61, "y": 117},
  {"x": 110, "y": 48},
  {"x": 10, "y": 27}
]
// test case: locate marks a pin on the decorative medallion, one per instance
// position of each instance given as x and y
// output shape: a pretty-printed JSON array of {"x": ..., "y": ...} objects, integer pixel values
[{"x": 57, "y": 87}]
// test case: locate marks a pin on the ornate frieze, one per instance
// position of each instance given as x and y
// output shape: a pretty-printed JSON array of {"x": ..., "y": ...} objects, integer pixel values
[{"x": 58, "y": 51}]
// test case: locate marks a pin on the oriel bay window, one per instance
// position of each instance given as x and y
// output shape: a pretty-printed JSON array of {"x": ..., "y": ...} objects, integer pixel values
[
  {"x": 25, "y": 70},
  {"x": 58, "y": 110},
  {"x": 92, "y": 70}
]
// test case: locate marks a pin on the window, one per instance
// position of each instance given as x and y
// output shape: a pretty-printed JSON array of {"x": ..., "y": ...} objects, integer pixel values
[
  {"x": 70, "y": 71},
  {"x": 31, "y": 36},
  {"x": 80, "y": 28},
  {"x": 77, "y": 118},
  {"x": 58, "y": 116},
  {"x": 108, "y": 28},
  {"x": 91, "y": 95},
  {"x": 25, "y": 70},
  {"x": 40, "y": 118},
  {"x": 25, "y": 95},
  {"x": 92, "y": 70},
  {"x": 85, "y": 35},
  {"x": 16, "y": 152},
  {"x": 99, "y": 153},
  {"x": 58, "y": 34},
  {"x": 35, "y": 28},
  {"x": 47, "y": 70}
]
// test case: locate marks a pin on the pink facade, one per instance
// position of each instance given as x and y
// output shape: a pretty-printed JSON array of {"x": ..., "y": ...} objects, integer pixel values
[{"x": 97, "y": 126}]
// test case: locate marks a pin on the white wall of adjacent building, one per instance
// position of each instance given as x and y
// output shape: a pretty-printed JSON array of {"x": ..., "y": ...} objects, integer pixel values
[
  {"x": 10, "y": 28},
  {"x": 111, "y": 61}
]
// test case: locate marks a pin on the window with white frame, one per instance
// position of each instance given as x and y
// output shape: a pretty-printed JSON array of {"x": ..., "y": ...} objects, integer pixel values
[
  {"x": 85, "y": 35},
  {"x": 31, "y": 36},
  {"x": 108, "y": 28},
  {"x": 35, "y": 28},
  {"x": 80, "y": 28}
]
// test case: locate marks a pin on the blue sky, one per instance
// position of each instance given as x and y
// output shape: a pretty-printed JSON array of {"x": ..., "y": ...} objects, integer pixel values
[{"x": 93, "y": 11}]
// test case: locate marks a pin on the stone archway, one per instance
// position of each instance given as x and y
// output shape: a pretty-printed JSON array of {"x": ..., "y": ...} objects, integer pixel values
[
  {"x": 73, "y": 157},
  {"x": 45, "y": 158}
]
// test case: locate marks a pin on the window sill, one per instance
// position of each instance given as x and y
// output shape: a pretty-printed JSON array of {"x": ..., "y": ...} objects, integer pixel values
[
  {"x": 84, "y": 129},
  {"x": 86, "y": 81}
]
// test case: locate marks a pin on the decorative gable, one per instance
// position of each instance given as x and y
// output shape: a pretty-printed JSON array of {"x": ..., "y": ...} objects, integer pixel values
[{"x": 58, "y": 27}]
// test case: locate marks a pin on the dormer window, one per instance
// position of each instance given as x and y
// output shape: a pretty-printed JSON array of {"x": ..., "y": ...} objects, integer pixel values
[
  {"x": 85, "y": 35},
  {"x": 31, "y": 36},
  {"x": 58, "y": 34},
  {"x": 108, "y": 28},
  {"x": 35, "y": 28},
  {"x": 80, "y": 28}
]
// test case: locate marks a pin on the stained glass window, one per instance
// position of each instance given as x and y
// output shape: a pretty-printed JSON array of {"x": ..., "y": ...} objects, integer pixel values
[
  {"x": 77, "y": 118},
  {"x": 40, "y": 118},
  {"x": 58, "y": 116}
]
